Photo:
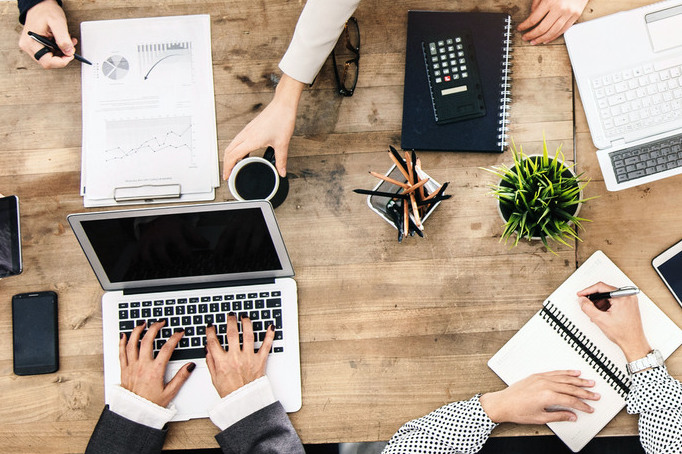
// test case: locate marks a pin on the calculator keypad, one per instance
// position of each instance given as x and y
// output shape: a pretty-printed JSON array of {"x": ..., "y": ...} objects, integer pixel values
[
  {"x": 453, "y": 78},
  {"x": 448, "y": 60}
]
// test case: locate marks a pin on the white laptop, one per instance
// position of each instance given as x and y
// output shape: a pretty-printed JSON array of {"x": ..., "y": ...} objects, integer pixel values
[
  {"x": 192, "y": 265},
  {"x": 628, "y": 67}
]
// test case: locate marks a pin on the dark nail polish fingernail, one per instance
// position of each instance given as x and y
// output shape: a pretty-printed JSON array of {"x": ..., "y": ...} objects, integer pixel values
[
  {"x": 209, "y": 324},
  {"x": 191, "y": 367}
]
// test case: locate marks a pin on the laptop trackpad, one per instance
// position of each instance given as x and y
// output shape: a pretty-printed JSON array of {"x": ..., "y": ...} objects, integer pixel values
[
  {"x": 197, "y": 395},
  {"x": 663, "y": 27}
]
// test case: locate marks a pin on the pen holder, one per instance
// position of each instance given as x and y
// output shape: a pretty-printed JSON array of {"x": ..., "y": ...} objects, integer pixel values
[{"x": 381, "y": 205}]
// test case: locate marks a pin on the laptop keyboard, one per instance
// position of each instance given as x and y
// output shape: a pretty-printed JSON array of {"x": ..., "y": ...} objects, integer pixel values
[
  {"x": 638, "y": 98},
  {"x": 647, "y": 159},
  {"x": 195, "y": 313}
]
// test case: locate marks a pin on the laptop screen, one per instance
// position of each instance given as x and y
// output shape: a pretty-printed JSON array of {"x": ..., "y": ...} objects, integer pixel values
[{"x": 172, "y": 246}]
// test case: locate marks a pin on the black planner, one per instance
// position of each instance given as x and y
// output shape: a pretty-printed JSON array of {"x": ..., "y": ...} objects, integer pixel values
[{"x": 457, "y": 81}]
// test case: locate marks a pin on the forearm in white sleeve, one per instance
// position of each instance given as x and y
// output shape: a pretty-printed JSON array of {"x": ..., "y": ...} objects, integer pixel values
[{"x": 318, "y": 28}]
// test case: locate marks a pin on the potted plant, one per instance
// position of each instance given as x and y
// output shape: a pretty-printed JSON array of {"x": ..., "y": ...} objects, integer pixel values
[{"x": 539, "y": 197}]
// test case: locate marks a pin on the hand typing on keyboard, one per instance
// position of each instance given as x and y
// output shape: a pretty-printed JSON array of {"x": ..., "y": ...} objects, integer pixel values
[
  {"x": 234, "y": 368},
  {"x": 143, "y": 374}
]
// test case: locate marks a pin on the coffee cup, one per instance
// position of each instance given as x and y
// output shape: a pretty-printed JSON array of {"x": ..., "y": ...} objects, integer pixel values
[{"x": 256, "y": 178}]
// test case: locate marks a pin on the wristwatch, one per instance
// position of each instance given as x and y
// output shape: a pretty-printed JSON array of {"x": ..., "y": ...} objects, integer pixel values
[{"x": 650, "y": 361}]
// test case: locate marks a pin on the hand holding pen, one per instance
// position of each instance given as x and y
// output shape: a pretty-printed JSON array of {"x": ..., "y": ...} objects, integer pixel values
[
  {"x": 621, "y": 321},
  {"x": 51, "y": 46},
  {"x": 47, "y": 19}
]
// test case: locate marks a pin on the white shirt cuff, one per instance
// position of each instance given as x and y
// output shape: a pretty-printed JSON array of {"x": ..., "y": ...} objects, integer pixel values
[
  {"x": 241, "y": 403},
  {"x": 138, "y": 409}
]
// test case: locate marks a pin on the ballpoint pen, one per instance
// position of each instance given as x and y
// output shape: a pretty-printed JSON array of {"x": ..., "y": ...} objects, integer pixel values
[
  {"x": 600, "y": 300},
  {"x": 381, "y": 194},
  {"x": 50, "y": 43}
]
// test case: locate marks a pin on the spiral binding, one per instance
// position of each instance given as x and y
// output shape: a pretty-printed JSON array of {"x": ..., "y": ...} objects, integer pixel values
[
  {"x": 587, "y": 350},
  {"x": 505, "y": 98}
]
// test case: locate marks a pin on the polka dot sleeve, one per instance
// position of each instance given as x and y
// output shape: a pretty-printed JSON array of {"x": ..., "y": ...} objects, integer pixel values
[
  {"x": 460, "y": 427},
  {"x": 657, "y": 397}
]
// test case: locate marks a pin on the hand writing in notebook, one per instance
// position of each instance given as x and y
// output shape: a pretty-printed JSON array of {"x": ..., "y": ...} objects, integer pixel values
[
  {"x": 531, "y": 400},
  {"x": 549, "y": 19},
  {"x": 621, "y": 323}
]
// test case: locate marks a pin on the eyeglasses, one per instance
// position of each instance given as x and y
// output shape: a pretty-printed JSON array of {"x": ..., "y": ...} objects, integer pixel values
[{"x": 348, "y": 49}]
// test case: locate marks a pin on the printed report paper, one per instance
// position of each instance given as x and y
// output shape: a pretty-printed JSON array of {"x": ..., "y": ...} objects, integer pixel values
[{"x": 149, "y": 126}]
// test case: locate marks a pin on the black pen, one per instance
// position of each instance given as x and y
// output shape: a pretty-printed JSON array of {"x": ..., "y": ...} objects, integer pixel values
[
  {"x": 623, "y": 291},
  {"x": 50, "y": 43},
  {"x": 601, "y": 300},
  {"x": 381, "y": 194}
]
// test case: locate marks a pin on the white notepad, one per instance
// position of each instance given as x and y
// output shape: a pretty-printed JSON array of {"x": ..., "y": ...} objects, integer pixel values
[{"x": 561, "y": 336}]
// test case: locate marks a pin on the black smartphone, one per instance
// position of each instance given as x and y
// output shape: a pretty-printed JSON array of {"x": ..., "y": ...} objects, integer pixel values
[
  {"x": 34, "y": 333},
  {"x": 10, "y": 237}
]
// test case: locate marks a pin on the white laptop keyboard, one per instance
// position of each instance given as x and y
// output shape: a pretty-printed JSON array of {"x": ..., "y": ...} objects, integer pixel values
[
  {"x": 638, "y": 98},
  {"x": 195, "y": 313}
]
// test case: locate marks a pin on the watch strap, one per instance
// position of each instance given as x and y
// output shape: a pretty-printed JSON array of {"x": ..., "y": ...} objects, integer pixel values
[{"x": 650, "y": 361}]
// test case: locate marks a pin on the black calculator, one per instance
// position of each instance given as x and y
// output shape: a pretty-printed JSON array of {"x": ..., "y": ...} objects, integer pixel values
[{"x": 453, "y": 77}]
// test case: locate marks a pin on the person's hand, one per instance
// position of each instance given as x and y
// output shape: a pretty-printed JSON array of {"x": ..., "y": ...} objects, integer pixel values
[
  {"x": 144, "y": 375},
  {"x": 541, "y": 398},
  {"x": 47, "y": 18},
  {"x": 273, "y": 127},
  {"x": 622, "y": 322},
  {"x": 234, "y": 368},
  {"x": 549, "y": 19}
]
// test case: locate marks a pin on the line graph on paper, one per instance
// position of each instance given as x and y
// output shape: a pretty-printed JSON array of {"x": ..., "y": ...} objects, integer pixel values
[
  {"x": 161, "y": 60},
  {"x": 150, "y": 141}
]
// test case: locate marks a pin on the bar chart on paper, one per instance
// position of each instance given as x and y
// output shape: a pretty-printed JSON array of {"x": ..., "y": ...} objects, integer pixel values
[{"x": 156, "y": 59}]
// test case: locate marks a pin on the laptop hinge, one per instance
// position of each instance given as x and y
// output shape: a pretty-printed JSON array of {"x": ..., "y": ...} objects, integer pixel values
[{"x": 196, "y": 286}]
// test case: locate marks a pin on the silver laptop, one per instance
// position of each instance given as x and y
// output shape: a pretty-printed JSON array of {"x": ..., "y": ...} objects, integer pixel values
[
  {"x": 628, "y": 67},
  {"x": 192, "y": 265}
]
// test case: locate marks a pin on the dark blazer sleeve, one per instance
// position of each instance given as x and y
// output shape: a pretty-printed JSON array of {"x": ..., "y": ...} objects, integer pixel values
[
  {"x": 25, "y": 5},
  {"x": 115, "y": 434},
  {"x": 268, "y": 430}
]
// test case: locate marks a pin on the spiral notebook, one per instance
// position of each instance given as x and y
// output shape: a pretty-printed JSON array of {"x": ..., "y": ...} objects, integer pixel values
[
  {"x": 491, "y": 38},
  {"x": 561, "y": 336}
]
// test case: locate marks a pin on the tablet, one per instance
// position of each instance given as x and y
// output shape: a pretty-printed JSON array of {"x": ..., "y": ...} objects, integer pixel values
[
  {"x": 668, "y": 265},
  {"x": 10, "y": 237}
]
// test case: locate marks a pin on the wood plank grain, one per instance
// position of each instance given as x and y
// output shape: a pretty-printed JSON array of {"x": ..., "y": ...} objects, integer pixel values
[{"x": 388, "y": 331}]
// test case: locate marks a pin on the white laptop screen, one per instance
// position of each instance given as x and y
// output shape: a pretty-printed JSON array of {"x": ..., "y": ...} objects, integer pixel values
[{"x": 183, "y": 245}]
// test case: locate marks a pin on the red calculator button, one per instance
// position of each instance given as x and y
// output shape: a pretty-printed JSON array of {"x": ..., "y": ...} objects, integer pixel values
[{"x": 446, "y": 78}]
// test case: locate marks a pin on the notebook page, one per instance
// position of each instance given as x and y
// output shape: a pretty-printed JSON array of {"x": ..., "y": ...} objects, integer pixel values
[{"x": 536, "y": 348}]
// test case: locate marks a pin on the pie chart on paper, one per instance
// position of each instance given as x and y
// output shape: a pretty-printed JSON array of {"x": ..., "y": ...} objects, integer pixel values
[{"x": 115, "y": 67}]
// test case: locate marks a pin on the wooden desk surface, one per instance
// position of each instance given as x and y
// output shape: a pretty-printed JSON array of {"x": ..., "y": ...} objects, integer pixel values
[{"x": 388, "y": 331}]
